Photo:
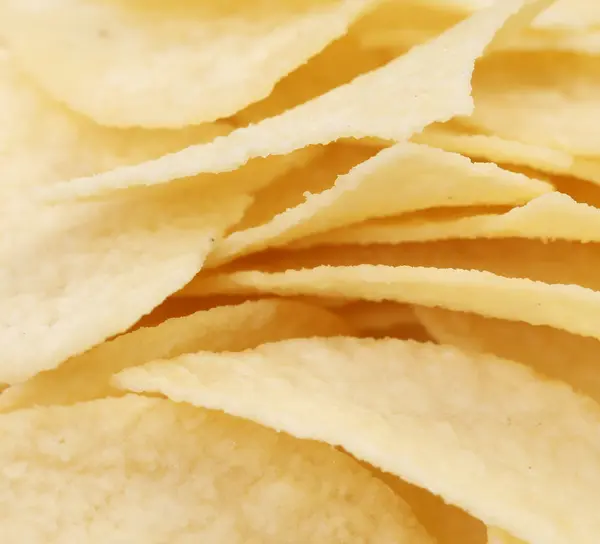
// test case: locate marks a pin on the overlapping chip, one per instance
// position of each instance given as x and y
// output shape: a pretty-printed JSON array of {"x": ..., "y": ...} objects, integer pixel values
[
  {"x": 103, "y": 266},
  {"x": 403, "y": 178},
  {"x": 564, "y": 306},
  {"x": 189, "y": 465},
  {"x": 168, "y": 65},
  {"x": 312, "y": 270},
  {"x": 553, "y": 216},
  {"x": 503, "y": 151},
  {"x": 547, "y": 106},
  {"x": 430, "y": 84},
  {"x": 224, "y": 328},
  {"x": 552, "y": 352},
  {"x": 507, "y": 436}
]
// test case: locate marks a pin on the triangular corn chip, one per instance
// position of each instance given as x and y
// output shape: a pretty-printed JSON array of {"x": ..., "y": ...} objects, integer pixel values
[
  {"x": 168, "y": 65},
  {"x": 150, "y": 471},
  {"x": 403, "y": 178},
  {"x": 225, "y": 328},
  {"x": 486, "y": 434},
  {"x": 431, "y": 83}
]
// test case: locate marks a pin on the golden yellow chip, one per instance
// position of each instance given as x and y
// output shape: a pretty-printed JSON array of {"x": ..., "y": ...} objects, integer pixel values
[
  {"x": 445, "y": 522},
  {"x": 338, "y": 64},
  {"x": 431, "y": 83},
  {"x": 542, "y": 98},
  {"x": 226, "y": 328},
  {"x": 563, "y": 14},
  {"x": 367, "y": 316},
  {"x": 142, "y": 470},
  {"x": 486, "y": 434},
  {"x": 168, "y": 65},
  {"x": 498, "y": 536},
  {"x": 403, "y": 178},
  {"x": 397, "y": 25},
  {"x": 402, "y": 24},
  {"x": 77, "y": 273},
  {"x": 552, "y": 352}
]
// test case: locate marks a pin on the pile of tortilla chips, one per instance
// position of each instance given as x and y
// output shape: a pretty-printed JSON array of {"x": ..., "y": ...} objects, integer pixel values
[{"x": 294, "y": 271}]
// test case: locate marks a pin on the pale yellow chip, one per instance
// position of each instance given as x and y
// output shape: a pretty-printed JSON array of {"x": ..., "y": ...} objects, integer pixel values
[
  {"x": 168, "y": 65},
  {"x": 150, "y": 471},
  {"x": 510, "y": 296},
  {"x": 397, "y": 230},
  {"x": 553, "y": 216},
  {"x": 498, "y": 536},
  {"x": 401, "y": 24},
  {"x": 503, "y": 151},
  {"x": 403, "y": 178},
  {"x": 77, "y": 273},
  {"x": 542, "y": 98},
  {"x": 43, "y": 143},
  {"x": 550, "y": 262},
  {"x": 398, "y": 25},
  {"x": 226, "y": 328},
  {"x": 552, "y": 352},
  {"x": 486, "y": 434},
  {"x": 431, "y": 83}
]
